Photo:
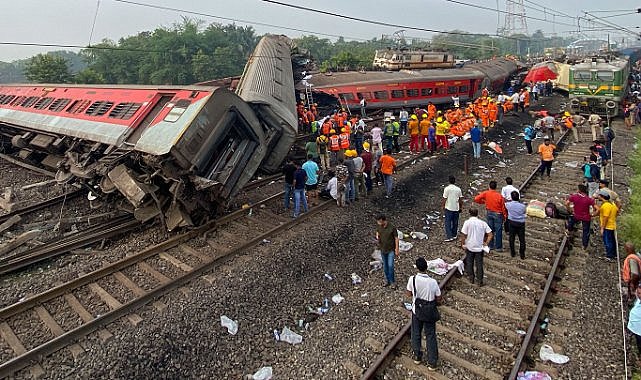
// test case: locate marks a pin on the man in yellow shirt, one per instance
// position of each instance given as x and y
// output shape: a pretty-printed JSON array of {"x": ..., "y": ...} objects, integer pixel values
[
  {"x": 546, "y": 152},
  {"x": 608, "y": 220}
]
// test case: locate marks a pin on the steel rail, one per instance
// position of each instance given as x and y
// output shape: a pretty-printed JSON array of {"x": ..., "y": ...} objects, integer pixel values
[
  {"x": 34, "y": 355},
  {"x": 58, "y": 247},
  {"x": 41, "y": 205},
  {"x": 390, "y": 348}
]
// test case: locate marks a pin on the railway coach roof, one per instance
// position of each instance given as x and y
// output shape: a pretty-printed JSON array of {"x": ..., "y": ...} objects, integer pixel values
[
  {"x": 108, "y": 86},
  {"x": 373, "y": 77}
]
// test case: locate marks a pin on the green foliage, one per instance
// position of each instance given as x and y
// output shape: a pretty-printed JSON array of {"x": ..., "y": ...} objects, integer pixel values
[
  {"x": 88, "y": 76},
  {"x": 631, "y": 220},
  {"x": 47, "y": 68},
  {"x": 185, "y": 53},
  {"x": 340, "y": 55}
]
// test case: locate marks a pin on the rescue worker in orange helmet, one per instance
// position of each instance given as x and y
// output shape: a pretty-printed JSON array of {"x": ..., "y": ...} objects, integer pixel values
[
  {"x": 431, "y": 111},
  {"x": 334, "y": 146},
  {"x": 344, "y": 143}
]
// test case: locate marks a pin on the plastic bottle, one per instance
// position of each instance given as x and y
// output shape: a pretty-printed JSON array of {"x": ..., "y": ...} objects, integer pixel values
[{"x": 544, "y": 325}]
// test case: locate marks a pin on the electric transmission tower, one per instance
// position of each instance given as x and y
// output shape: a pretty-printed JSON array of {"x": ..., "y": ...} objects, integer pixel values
[{"x": 515, "y": 22}]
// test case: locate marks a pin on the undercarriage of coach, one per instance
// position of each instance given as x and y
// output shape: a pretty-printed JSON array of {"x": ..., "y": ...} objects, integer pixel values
[{"x": 149, "y": 186}]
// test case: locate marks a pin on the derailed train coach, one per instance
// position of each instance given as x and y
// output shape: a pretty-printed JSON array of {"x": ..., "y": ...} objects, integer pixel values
[
  {"x": 410, "y": 88},
  {"x": 178, "y": 152}
]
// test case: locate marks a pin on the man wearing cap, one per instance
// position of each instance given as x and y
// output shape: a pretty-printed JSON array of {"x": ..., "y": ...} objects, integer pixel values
[
  {"x": 425, "y": 126},
  {"x": 614, "y": 197},
  {"x": 475, "y": 236},
  {"x": 568, "y": 122},
  {"x": 388, "y": 130},
  {"x": 607, "y": 213},
  {"x": 414, "y": 133},
  {"x": 424, "y": 287},
  {"x": 546, "y": 152},
  {"x": 367, "y": 167}
]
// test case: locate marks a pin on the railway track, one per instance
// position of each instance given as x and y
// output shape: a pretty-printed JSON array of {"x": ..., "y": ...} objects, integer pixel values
[
  {"x": 494, "y": 332},
  {"x": 63, "y": 315}
]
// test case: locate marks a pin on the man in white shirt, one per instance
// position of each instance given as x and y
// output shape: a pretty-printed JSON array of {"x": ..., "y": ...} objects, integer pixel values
[
  {"x": 452, "y": 203},
  {"x": 456, "y": 100},
  {"x": 363, "y": 104},
  {"x": 514, "y": 99},
  {"x": 376, "y": 137},
  {"x": 475, "y": 237},
  {"x": 424, "y": 287},
  {"x": 331, "y": 190},
  {"x": 507, "y": 190}
]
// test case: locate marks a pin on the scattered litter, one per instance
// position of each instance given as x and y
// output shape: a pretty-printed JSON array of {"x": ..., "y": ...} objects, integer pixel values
[
  {"x": 232, "y": 326},
  {"x": 495, "y": 147},
  {"x": 404, "y": 246},
  {"x": 418, "y": 235},
  {"x": 288, "y": 336},
  {"x": 325, "y": 308},
  {"x": 536, "y": 209},
  {"x": 264, "y": 373},
  {"x": 271, "y": 183},
  {"x": 356, "y": 279},
  {"x": 543, "y": 193},
  {"x": 265, "y": 241},
  {"x": 533, "y": 375},
  {"x": 547, "y": 353},
  {"x": 364, "y": 295},
  {"x": 337, "y": 298},
  {"x": 501, "y": 164},
  {"x": 408, "y": 305},
  {"x": 328, "y": 277},
  {"x": 440, "y": 267},
  {"x": 572, "y": 164},
  {"x": 521, "y": 332},
  {"x": 527, "y": 288},
  {"x": 466, "y": 136}
]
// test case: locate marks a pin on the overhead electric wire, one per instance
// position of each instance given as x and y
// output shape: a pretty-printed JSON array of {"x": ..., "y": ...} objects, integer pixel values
[
  {"x": 195, "y": 13},
  {"x": 608, "y": 23},
  {"x": 553, "y": 11},
  {"x": 504, "y": 12},
  {"x": 375, "y": 22}
]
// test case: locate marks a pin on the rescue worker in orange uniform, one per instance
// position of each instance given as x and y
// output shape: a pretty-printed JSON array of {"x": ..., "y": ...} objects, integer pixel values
[
  {"x": 431, "y": 111},
  {"x": 568, "y": 122},
  {"x": 425, "y": 126},
  {"x": 334, "y": 146},
  {"x": 413, "y": 126},
  {"x": 326, "y": 127},
  {"x": 344, "y": 143},
  {"x": 314, "y": 110},
  {"x": 442, "y": 127},
  {"x": 493, "y": 112}
]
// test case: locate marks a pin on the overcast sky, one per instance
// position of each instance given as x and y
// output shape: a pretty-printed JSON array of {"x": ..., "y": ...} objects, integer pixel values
[{"x": 70, "y": 21}]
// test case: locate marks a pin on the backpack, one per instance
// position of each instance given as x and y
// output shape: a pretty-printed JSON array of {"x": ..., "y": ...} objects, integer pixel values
[
  {"x": 551, "y": 211},
  {"x": 587, "y": 171}
]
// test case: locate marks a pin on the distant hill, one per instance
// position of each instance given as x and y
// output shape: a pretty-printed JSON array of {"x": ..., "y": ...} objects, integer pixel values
[{"x": 13, "y": 72}]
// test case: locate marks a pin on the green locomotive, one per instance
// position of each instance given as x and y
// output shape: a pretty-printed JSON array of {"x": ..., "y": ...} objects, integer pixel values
[{"x": 599, "y": 85}]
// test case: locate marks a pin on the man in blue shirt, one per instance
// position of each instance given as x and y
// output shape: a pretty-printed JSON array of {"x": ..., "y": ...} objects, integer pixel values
[
  {"x": 311, "y": 170},
  {"x": 475, "y": 136},
  {"x": 529, "y": 134},
  {"x": 516, "y": 219}
]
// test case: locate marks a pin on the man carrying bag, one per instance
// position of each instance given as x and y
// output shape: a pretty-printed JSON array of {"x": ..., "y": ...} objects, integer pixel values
[{"x": 425, "y": 295}]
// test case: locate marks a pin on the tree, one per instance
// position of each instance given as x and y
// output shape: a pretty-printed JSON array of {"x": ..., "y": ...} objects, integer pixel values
[
  {"x": 88, "y": 76},
  {"x": 45, "y": 68}
]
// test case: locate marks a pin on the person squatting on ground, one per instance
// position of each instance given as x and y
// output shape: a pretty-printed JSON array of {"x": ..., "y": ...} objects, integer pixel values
[
  {"x": 387, "y": 237},
  {"x": 516, "y": 214},
  {"x": 452, "y": 204},
  {"x": 631, "y": 268},
  {"x": 580, "y": 206},
  {"x": 546, "y": 152},
  {"x": 495, "y": 214},
  {"x": 475, "y": 234},
  {"x": 422, "y": 287}
]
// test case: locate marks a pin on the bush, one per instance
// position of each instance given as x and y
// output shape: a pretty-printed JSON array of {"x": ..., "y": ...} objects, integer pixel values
[{"x": 631, "y": 220}]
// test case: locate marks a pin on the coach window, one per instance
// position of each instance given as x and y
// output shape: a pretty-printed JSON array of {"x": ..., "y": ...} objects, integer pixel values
[
  {"x": 124, "y": 110},
  {"x": 7, "y": 99},
  {"x": 412, "y": 93},
  {"x": 43, "y": 103},
  {"x": 606, "y": 76},
  {"x": 452, "y": 89},
  {"x": 177, "y": 110},
  {"x": 59, "y": 104},
  {"x": 99, "y": 108},
  {"x": 582, "y": 75},
  {"x": 381, "y": 95},
  {"x": 346, "y": 96},
  {"x": 364, "y": 95},
  {"x": 30, "y": 101},
  {"x": 439, "y": 91},
  {"x": 463, "y": 89},
  {"x": 18, "y": 100},
  {"x": 396, "y": 94},
  {"x": 426, "y": 91}
]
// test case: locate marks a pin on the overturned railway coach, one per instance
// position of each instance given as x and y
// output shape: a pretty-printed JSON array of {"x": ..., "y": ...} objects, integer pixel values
[
  {"x": 178, "y": 152},
  {"x": 413, "y": 87}
]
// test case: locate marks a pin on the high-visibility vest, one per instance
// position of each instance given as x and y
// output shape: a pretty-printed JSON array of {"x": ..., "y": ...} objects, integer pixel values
[
  {"x": 344, "y": 140},
  {"x": 625, "y": 271},
  {"x": 389, "y": 129},
  {"x": 314, "y": 126},
  {"x": 327, "y": 126},
  {"x": 334, "y": 143},
  {"x": 568, "y": 123},
  {"x": 397, "y": 128}
]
